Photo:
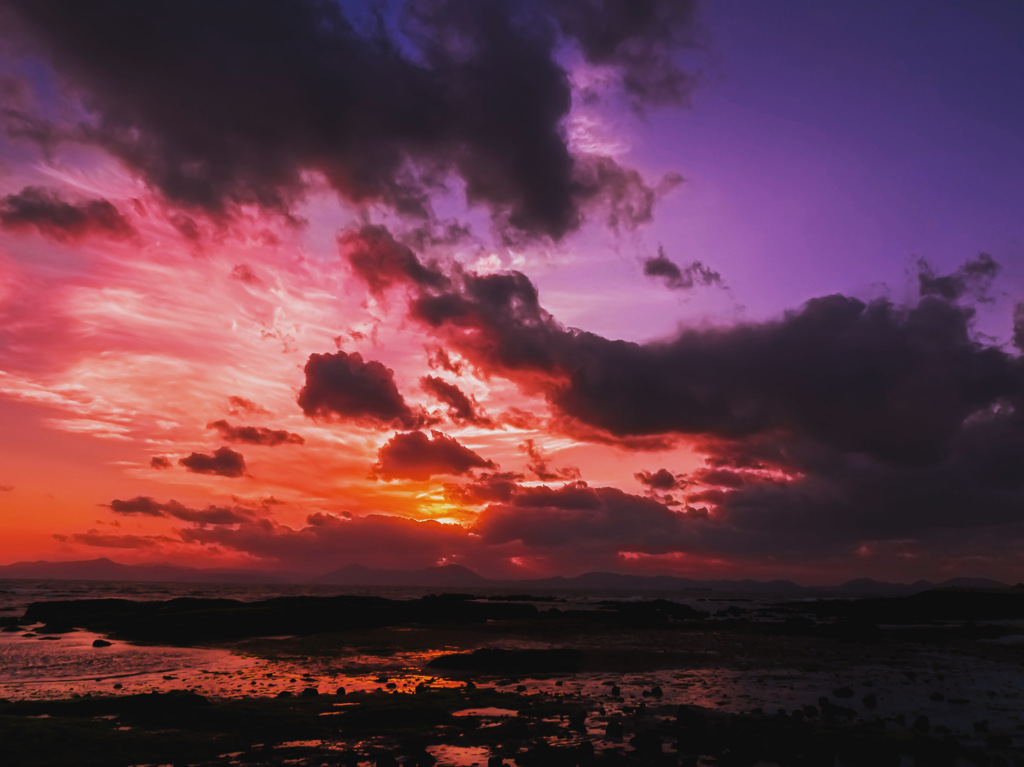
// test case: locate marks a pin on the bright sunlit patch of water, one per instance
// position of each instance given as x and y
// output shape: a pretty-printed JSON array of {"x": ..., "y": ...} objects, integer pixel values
[{"x": 459, "y": 756}]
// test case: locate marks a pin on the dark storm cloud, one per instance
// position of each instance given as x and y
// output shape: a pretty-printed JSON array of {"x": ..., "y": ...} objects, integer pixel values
[
  {"x": 54, "y": 217},
  {"x": 255, "y": 435},
  {"x": 438, "y": 358},
  {"x": 224, "y": 462},
  {"x": 217, "y": 104},
  {"x": 677, "y": 278},
  {"x": 487, "y": 487},
  {"x": 142, "y": 505},
  {"x": 1018, "y": 326},
  {"x": 150, "y": 507},
  {"x": 417, "y": 456},
  {"x": 327, "y": 542},
  {"x": 540, "y": 466},
  {"x": 159, "y": 462},
  {"x": 243, "y": 406},
  {"x": 973, "y": 278},
  {"x": 842, "y": 425},
  {"x": 114, "y": 540},
  {"x": 662, "y": 480},
  {"x": 380, "y": 261},
  {"x": 462, "y": 409},
  {"x": 577, "y": 516},
  {"x": 639, "y": 36},
  {"x": 831, "y": 502},
  {"x": 894, "y": 382},
  {"x": 344, "y": 386}
]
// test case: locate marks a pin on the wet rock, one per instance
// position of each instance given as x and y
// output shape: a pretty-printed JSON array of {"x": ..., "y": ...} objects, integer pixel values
[
  {"x": 616, "y": 692},
  {"x": 419, "y": 757},
  {"x": 614, "y": 730},
  {"x": 578, "y": 720},
  {"x": 340, "y": 692},
  {"x": 831, "y": 710},
  {"x": 981, "y": 728},
  {"x": 386, "y": 760},
  {"x": 843, "y": 692},
  {"x": 870, "y": 700},
  {"x": 495, "y": 761},
  {"x": 310, "y": 692},
  {"x": 999, "y": 740},
  {"x": 959, "y": 701},
  {"x": 646, "y": 743},
  {"x": 921, "y": 724},
  {"x": 101, "y": 643},
  {"x": 118, "y": 686},
  {"x": 937, "y": 697},
  {"x": 656, "y": 692},
  {"x": 56, "y": 628},
  {"x": 285, "y": 694}
]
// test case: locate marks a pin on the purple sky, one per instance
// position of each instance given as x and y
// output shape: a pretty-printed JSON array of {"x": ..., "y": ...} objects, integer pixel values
[{"x": 721, "y": 288}]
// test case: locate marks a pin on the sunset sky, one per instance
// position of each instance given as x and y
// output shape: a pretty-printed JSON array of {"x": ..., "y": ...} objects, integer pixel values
[{"x": 536, "y": 287}]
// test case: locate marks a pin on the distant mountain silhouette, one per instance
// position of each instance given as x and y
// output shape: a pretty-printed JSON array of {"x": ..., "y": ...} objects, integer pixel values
[
  {"x": 624, "y": 582},
  {"x": 455, "y": 577},
  {"x": 862, "y": 586},
  {"x": 104, "y": 569}
]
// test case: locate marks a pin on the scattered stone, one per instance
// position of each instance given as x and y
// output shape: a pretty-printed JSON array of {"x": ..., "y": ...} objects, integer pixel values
[
  {"x": 310, "y": 692},
  {"x": 831, "y": 710},
  {"x": 646, "y": 743},
  {"x": 937, "y": 697},
  {"x": 999, "y": 740},
  {"x": 101, "y": 643},
  {"x": 921, "y": 724},
  {"x": 870, "y": 700},
  {"x": 843, "y": 692}
]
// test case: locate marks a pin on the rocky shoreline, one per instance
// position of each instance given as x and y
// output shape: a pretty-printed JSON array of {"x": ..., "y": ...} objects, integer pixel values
[{"x": 529, "y": 681}]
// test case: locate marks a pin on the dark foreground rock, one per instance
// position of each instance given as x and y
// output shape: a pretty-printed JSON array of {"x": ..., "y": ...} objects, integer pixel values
[
  {"x": 189, "y": 620},
  {"x": 393, "y": 728}
]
